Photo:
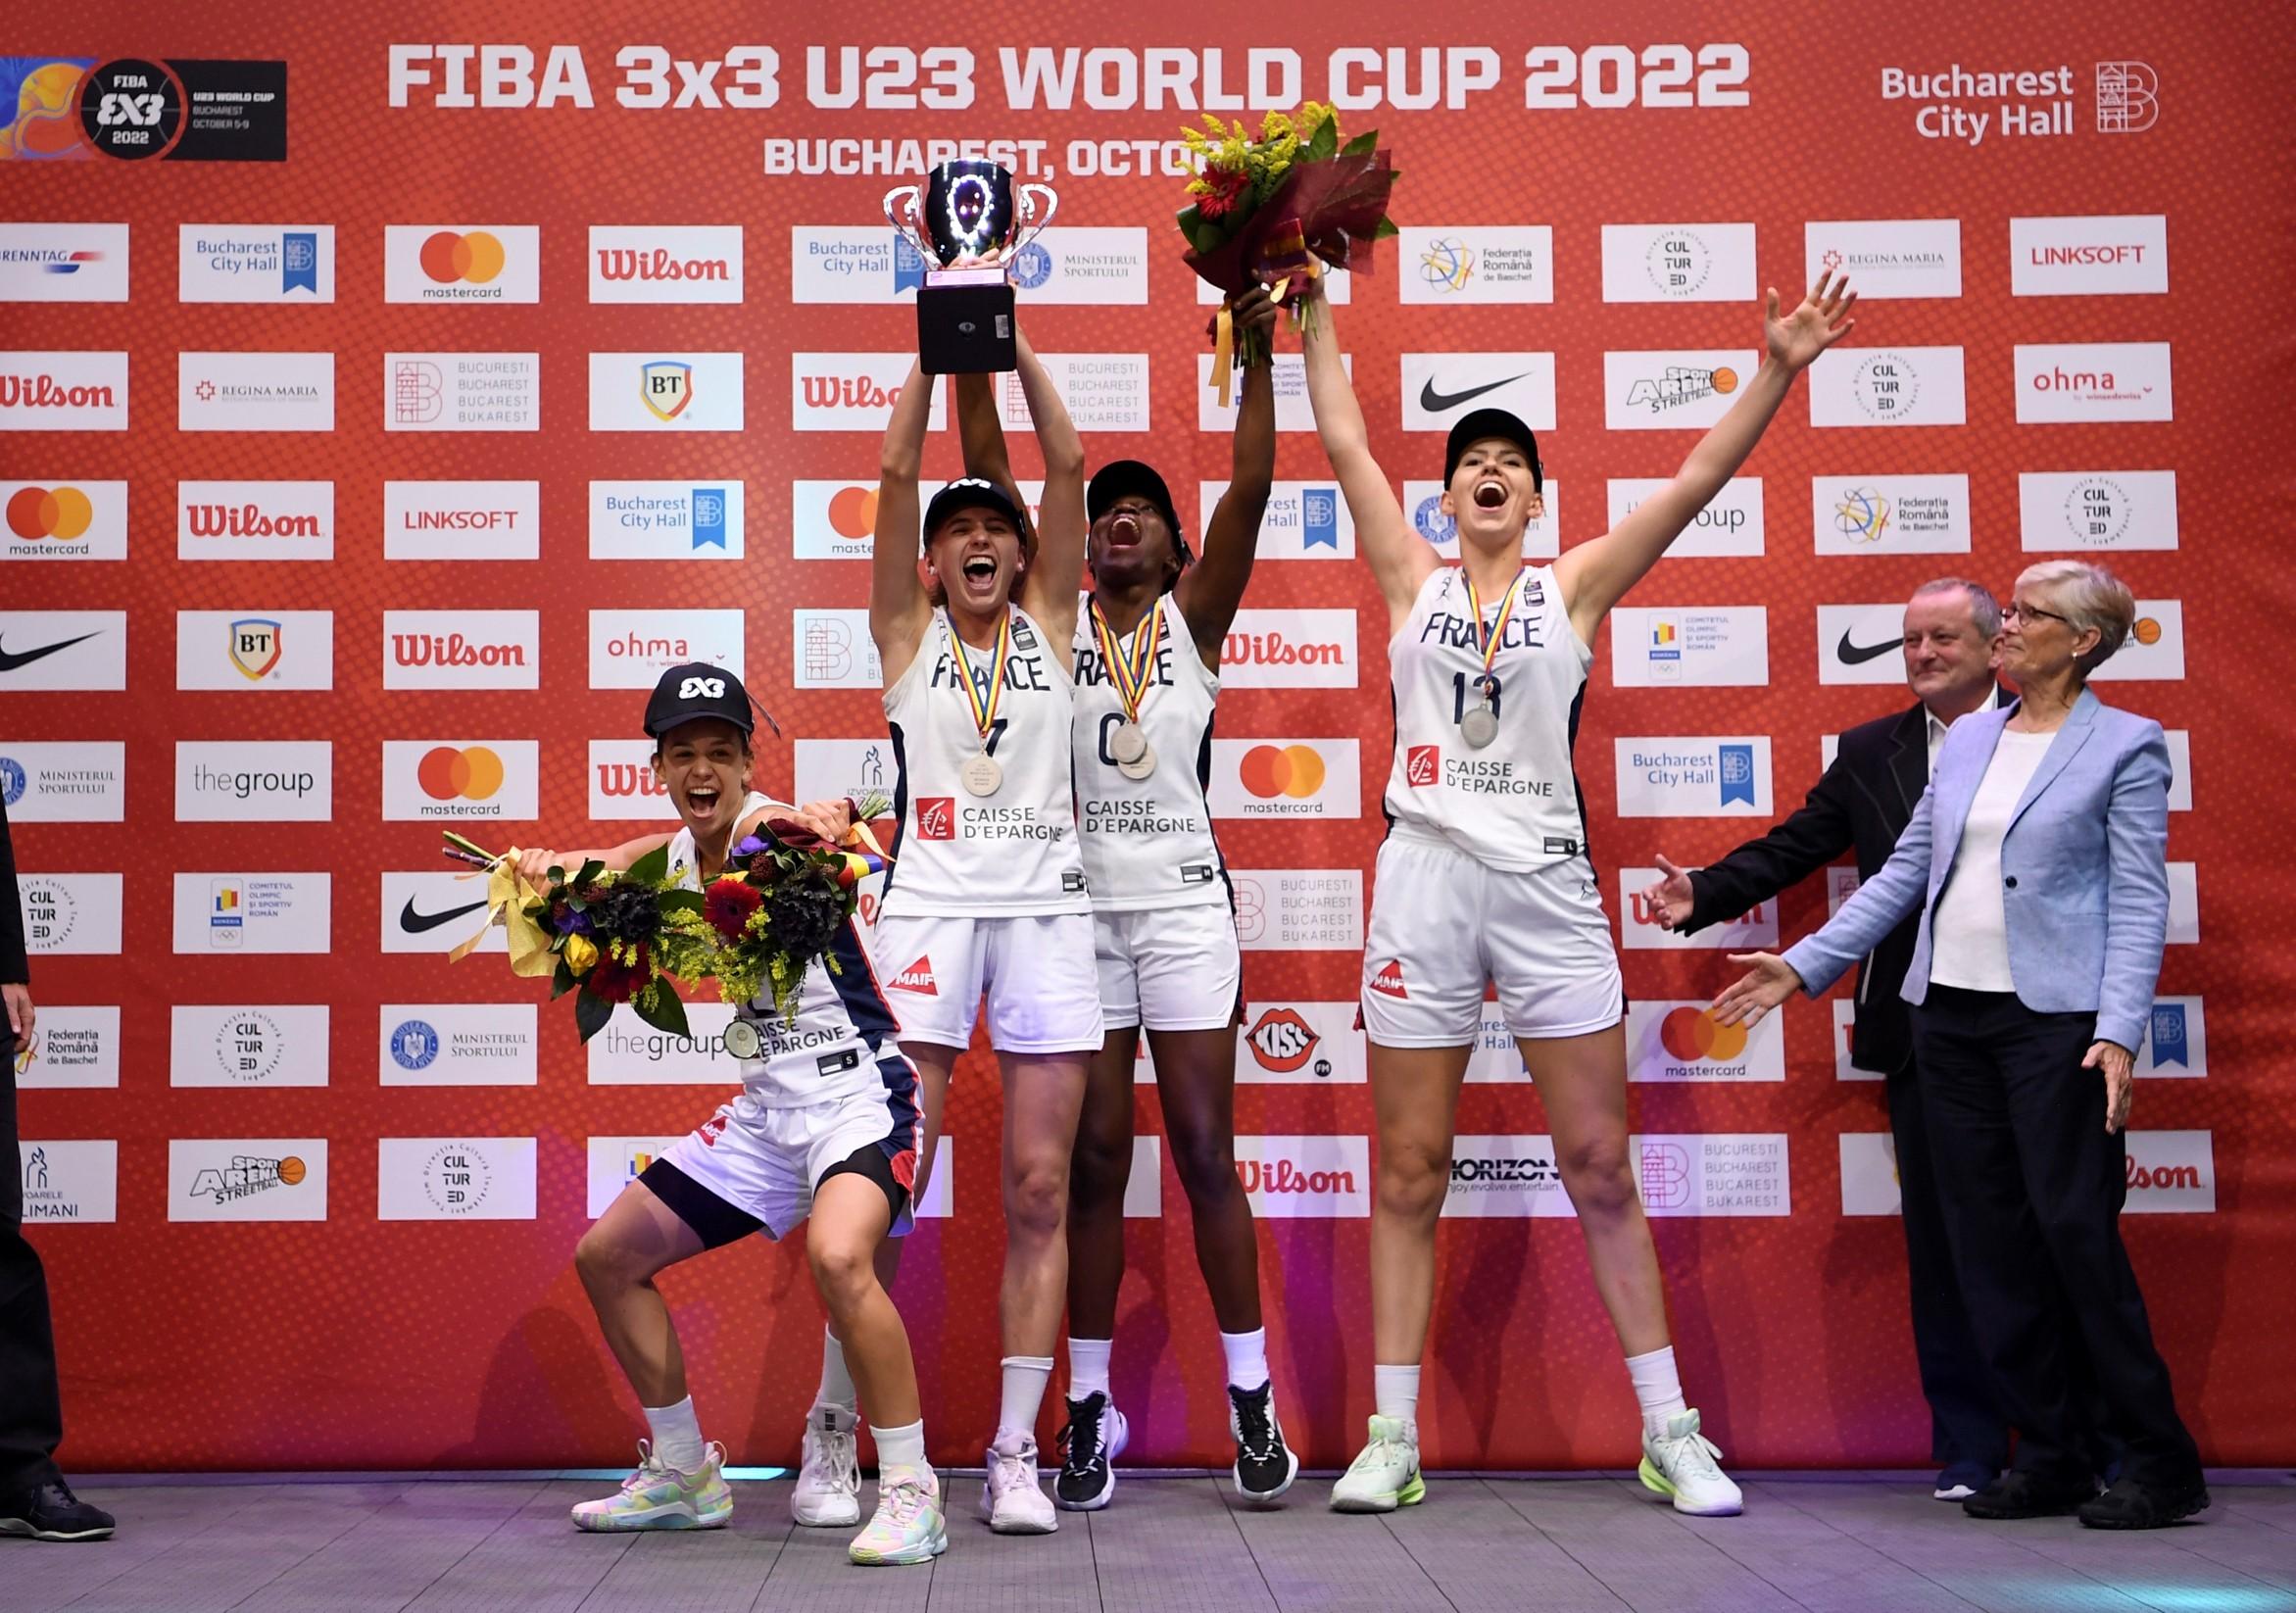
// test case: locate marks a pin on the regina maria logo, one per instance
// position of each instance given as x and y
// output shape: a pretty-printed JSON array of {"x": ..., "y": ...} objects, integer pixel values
[{"x": 255, "y": 392}]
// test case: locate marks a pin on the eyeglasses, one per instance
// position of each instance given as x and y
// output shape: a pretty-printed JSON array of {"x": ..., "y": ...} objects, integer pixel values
[{"x": 2013, "y": 612}]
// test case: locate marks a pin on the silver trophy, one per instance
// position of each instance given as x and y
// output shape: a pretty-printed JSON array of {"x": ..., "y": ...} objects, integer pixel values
[{"x": 973, "y": 220}]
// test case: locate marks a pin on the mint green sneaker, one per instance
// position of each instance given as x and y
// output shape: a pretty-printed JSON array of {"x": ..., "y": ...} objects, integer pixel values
[
  {"x": 660, "y": 1496},
  {"x": 909, "y": 1526},
  {"x": 1385, "y": 1475}
]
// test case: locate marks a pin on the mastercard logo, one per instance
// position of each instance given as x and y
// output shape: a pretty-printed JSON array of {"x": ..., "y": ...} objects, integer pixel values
[
  {"x": 2146, "y": 631},
  {"x": 35, "y": 513},
  {"x": 448, "y": 774},
  {"x": 447, "y": 257},
  {"x": 852, "y": 512},
  {"x": 1271, "y": 770},
  {"x": 1691, "y": 1035}
]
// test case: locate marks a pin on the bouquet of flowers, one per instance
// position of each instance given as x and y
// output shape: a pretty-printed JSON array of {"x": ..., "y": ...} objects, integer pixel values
[
  {"x": 1273, "y": 209},
  {"x": 780, "y": 903}
]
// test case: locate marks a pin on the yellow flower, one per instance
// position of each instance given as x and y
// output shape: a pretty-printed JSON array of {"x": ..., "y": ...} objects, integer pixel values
[
  {"x": 1275, "y": 126},
  {"x": 580, "y": 955},
  {"x": 1312, "y": 116}
]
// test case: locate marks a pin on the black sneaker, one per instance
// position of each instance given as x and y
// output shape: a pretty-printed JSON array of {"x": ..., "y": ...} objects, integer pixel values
[
  {"x": 1093, "y": 1440},
  {"x": 1264, "y": 1465},
  {"x": 2132, "y": 1505},
  {"x": 2021, "y": 1495},
  {"x": 53, "y": 1512}
]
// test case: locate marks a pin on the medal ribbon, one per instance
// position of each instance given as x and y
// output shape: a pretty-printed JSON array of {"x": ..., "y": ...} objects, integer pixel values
[
  {"x": 1131, "y": 674},
  {"x": 984, "y": 708},
  {"x": 1489, "y": 642}
]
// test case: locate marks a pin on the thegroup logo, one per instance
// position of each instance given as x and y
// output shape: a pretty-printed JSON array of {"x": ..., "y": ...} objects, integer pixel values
[
  {"x": 665, "y": 521},
  {"x": 2154, "y": 648},
  {"x": 1717, "y": 647},
  {"x": 63, "y": 263},
  {"x": 236, "y": 912},
  {"x": 1440, "y": 387},
  {"x": 1298, "y": 909},
  {"x": 854, "y": 391},
  {"x": 1681, "y": 776},
  {"x": 2079, "y": 381},
  {"x": 665, "y": 263},
  {"x": 1305, "y": 1178},
  {"x": 461, "y": 392},
  {"x": 1641, "y": 931},
  {"x": 64, "y": 520},
  {"x": 1509, "y": 1178},
  {"x": 1476, "y": 264},
  {"x": 1862, "y": 643},
  {"x": 68, "y": 1182},
  {"x": 1716, "y": 1173},
  {"x": 623, "y": 784},
  {"x": 1891, "y": 514},
  {"x": 1286, "y": 778},
  {"x": 2129, "y": 97},
  {"x": 2169, "y": 1173},
  {"x": 1709, "y": 263},
  {"x": 254, "y": 520},
  {"x": 1290, "y": 650},
  {"x": 1423, "y": 502},
  {"x": 247, "y": 1179},
  {"x": 1313, "y": 1044},
  {"x": 1674, "y": 390},
  {"x": 63, "y": 391},
  {"x": 629, "y": 1053},
  {"x": 462, "y": 263},
  {"x": 429, "y": 779},
  {"x": 459, "y": 1045},
  {"x": 833, "y": 650},
  {"x": 255, "y": 781},
  {"x": 2118, "y": 255},
  {"x": 1304, "y": 520},
  {"x": 254, "y": 650},
  {"x": 73, "y": 1046},
  {"x": 255, "y": 263},
  {"x": 1880, "y": 386},
  {"x": 55, "y": 650},
  {"x": 454, "y": 1179},
  {"x": 64, "y": 781},
  {"x": 1685, "y": 1042},
  {"x": 433, "y": 911},
  {"x": 70, "y": 914},
  {"x": 462, "y": 650},
  {"x": 665, "y": 392},
  {"x": 631, "y": 649},
  {"x": 456, "y": 521},
  {"x": 255, "y": 392},
  {"x": 1885, "y": 258},
  {"x": 247, "y": 1044},
  {"x": 1729, "y": 525},
  {"x": 2076, "y": 510}
]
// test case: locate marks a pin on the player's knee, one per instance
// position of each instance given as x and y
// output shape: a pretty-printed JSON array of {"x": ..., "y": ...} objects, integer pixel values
[
  {"x": 1103, "y": 1164},
  {"x": 844, "y": 1268},
  {"x": 602, "y": 1263},
  {"x": 1035, "y": 1197},
  {"x": 1413, "y": 1179},
  {"x": 1599, "y": 1176},
  {"x": 1205, "y": 1165}
]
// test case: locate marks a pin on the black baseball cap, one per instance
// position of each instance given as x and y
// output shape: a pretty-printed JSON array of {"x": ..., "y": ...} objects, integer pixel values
[
  {"x": 1479, "y": 423},
  {"x": 695, "y": 690},
  {"x": 975, "y": 493},
  {"x": 1122, "y": 479}
]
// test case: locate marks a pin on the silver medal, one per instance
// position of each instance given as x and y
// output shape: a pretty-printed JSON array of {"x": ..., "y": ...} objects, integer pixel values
[
  {"x": 742, "y": 1040},
  {"x": 1479, "y": 726},
  {"x": 1128, "y": 745},
  {"x": 1139, "y": 766},
  {"x": 981, "y": 776}
]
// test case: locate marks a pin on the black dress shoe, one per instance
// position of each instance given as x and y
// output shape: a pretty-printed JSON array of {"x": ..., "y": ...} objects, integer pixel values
[
  {"x": 52, "y": 1512},
  {"x": 2129, "y": 1504},
  {"x": 2018, "y": 1494}
]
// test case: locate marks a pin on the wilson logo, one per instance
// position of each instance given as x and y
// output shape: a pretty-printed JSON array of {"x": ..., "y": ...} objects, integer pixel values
[
  {"x": 2161, "y": 1176},
  {"x": 1423, "y": 765},
  {"x": 1283, "y": 1176},
  {"x": 917, "y": 978},
  {"x": 44, "y": 392},
  {"x": 1281, "y": 1041},
  {"x": 937, "y": 817},
  {"x": 1275, "y": 650},
  {"x": 452, "y": 649},
  {"x": 247, "y": 520},
  {"x": 848, "y": 392},
  {"x": 623, "y": 264},
  {"x": 621, "y": 780}
]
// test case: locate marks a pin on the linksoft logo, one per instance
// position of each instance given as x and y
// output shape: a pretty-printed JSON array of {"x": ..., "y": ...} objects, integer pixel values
[
  {"x": 2123, "y": 256},
  {"x": 1509, "y": 1178},
  {"x": 2154, "y": 648},
  {"x": 1674, "y": 390},
  {"x": 1101, "y": 391},
  {"x": 68, "y": 1182},
  {"x": 833, "y": 650},
  {"x": 254, "y": 650},
  {"x": 461, "y": 392},
  {"x": 461, "y": 520},
  {"x": 56, "y": 650},
  {"x": 1718, "y": 1173},
  {"x": 2078, "y": 509},
  {"x": 629, "y": 1053},
  {"x": 1891, "y": 514},
  {"x": 1286, "y": 778},
  {"x": 1862, "y": 643},
  {"x": 1677, "y": 263},
  {"x": 2060, "y": 383},
  {"x": 425, "y": 780},
  {"x": 667, "y": 520},
  {"x": 454, "y": 1179},
  {"x": 1440, "y": 387},
  {"x": 665, "y": 263},
  {"x": 1290, "y": 650},
  {"x": 462, "y": 650},
  {"x": 2169, "y": 1173},
  {"x": 459, "y": 1045},
  {"x": 1298, "y": 909},
  {"x": 624, "y": 787},
  {"x": 1861, "y": 386},
  {"x": 631, "y": 649},
  {"x": 1304, "y": 520},
  {"x": 1476, "y": 264},
  {"x": 1287, "y": 375},
  {"x": 665, "y": 392},
  {"x": 70, "y": 914},
  {"x": 269, "y": 1044},
  {"x": 1690, "y": 777},
  {"x": 63, "y": 263},
  {"x": 247, "y": 1179},
  {"x": 255, "y": 263},
  {"x": 1731, "y": 524},
  {"x": 81, "y": 781},
  {"x": 255, "y": 392},
  {"x": 1683, "y": 1042},
  {"x": 854, "y": 391},
  {"x": 436, "y": 913},
  {"x": 1641, "y": 931},
  {"x": 72, "y": 1048},
  {"x": 461, "y": 264},
  {"x": 255, "y": 781},
  {"x": 234, "y": 912},
  {"x": 1713, "y": 647},
  {"x": 1423, "y": 502},
  {"x": 63, "y": 391},
  {"x": 254, "y": 520},
  {"x": 1885, "y": 258},
  {"x": 1305, "y": 1178},
  {"x": 59, "y": 521}
]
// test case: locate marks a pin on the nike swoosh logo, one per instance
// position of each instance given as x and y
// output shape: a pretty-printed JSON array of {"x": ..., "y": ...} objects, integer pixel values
[
  {"x": 1434, "y": 402},
  {"x": 414, "y": 923},
  {"x": 1857, "y": 654},
  {"x": 11, "y": 660}
]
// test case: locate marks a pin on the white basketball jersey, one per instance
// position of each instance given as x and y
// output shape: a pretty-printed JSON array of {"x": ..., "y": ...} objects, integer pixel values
[
  {"x": 829, "y": 1047},
  {"x": 1512, "y": 805},
  {"x": 984, "y": 856},
  {"x": 1147, "y": 843}
]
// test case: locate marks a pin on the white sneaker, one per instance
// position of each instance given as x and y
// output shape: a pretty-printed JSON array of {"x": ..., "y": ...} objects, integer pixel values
[
  {"x": 1015, "y": 1502},
  {"x": 1681, "y": 1463},
  {"x": 828, "y": 1493},
  {"x": 909, "y": 1526},
  {"x": 1385, "y": 1475}
]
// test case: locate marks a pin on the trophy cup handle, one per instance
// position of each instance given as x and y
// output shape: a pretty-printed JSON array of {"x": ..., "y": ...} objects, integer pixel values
[
  {"x": 904, "y": 220},
  {"x": 1033, "y": 224}
]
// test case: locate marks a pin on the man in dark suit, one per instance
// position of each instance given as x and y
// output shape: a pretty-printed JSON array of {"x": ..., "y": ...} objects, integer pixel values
[
  {"x": 1861, "y": 804},
  {"x": 35, "y": 1499}
]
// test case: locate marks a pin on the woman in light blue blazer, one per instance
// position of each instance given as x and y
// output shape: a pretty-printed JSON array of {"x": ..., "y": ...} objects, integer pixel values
[{"x": 2037, "y": 862}]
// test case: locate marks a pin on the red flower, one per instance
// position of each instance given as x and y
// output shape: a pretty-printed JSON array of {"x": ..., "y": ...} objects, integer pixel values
[
  {"x": 728, "y": 905},
  {"x": 1228, "y": 188},
  {"x": 615, "y": 981}
]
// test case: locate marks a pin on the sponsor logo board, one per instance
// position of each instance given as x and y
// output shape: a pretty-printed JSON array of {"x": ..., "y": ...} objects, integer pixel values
[
  {"x": 461, "y": 392},
  {"x": 257, "y": 781},
  {"x": 74, "y": 1046},
  {"x": 247, "y": 1044},
  {"x": 71, "y": 1181},
  {"x": 459, "y": 1045},
  {"x": 255, "y": 392},
  {"x": 247, "y": 1179},
  {"x": 1891, "y": 514},
  {"x": 1306, "y": 910},
  {"x": 63, "y": 520},
  {"x": 461, "y": 520},
  {"x": 454, "y": 1179},
  {"x": 64, "y": 781},
  {"x": 2080, "y": 509},
  {"x": 254, "y": 650},
  {"x": 69, "y": 914},
  {"x": 1706, "y": 646},
  {"x": 1690, "y": 776},
  {"x": 255, "y": 263},
  {"x": 429, "y": 779},
  {"x": 253, "y": 913},
  {"x": 1728, "y": 527}
]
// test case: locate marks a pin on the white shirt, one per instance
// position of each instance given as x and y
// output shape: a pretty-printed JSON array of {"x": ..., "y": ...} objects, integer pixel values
[
  {"x": 1938, "y": 727},
  {"x": 1969, "y": 933}
]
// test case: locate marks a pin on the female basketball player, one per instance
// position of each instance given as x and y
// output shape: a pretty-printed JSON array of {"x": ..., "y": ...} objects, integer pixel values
[
  {"x": 824, "y": 1131},
  {"x": 1147, "y": 658},
  {"x": 1485, "y": 875}
]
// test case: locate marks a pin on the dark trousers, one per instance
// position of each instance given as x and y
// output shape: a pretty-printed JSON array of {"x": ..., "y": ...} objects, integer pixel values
[
  {"x": 2033, "y": 1187},
  {"x": 31, "y": 1412},
  {"x": 1965, "y": 1424}
]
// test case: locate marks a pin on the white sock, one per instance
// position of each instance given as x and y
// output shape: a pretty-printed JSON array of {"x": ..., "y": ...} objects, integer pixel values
[
  {"x": 1248, "y": 1359},
  {"x": 837, "y": 1387},
  {"x": 1088, "y": 1366},
  {"x": 677, "y": 1436},
  {"x": 1025, "y": 1378},
  {"x": 899, "y": 1448},
  {"x": 1657, "y": 1388},
  {"x": 1394, "y": 1392}
]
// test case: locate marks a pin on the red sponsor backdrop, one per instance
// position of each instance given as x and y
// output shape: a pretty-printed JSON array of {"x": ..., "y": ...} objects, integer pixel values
[{"x": 363, "y": 1343}]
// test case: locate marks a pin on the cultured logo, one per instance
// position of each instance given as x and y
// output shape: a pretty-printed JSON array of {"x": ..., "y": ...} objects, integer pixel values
[
  {"x": 452, "y": 649},
  {"x": 624, "y": 264},
  {"x": 45, "y": 392}
]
